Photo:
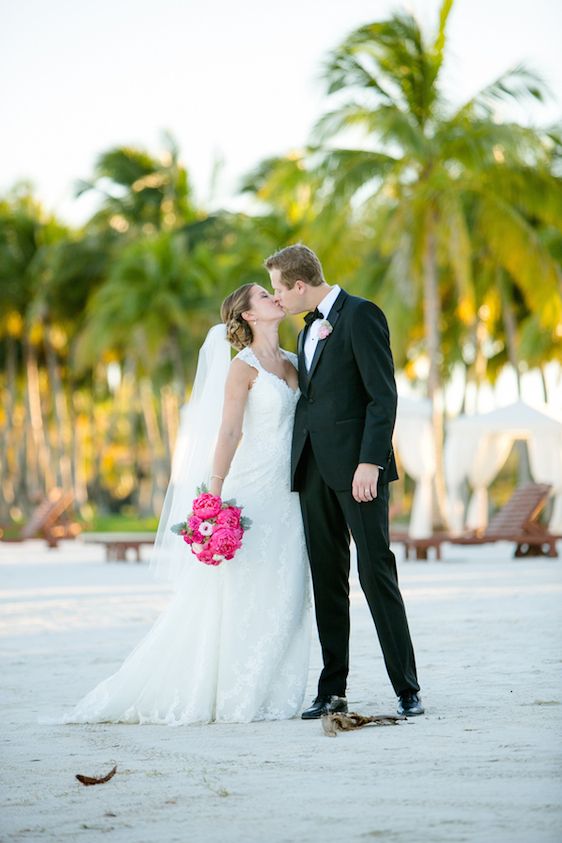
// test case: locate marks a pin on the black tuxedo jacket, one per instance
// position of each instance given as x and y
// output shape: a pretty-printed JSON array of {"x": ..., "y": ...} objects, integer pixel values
[{"x": 347, "y": 406}]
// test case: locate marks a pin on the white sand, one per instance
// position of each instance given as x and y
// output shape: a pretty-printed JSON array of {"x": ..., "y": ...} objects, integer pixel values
[{"x": 482, "y": 765}]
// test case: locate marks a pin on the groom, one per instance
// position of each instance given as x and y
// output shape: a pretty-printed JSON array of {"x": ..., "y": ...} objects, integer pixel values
[{"x": 341, "y": 464}]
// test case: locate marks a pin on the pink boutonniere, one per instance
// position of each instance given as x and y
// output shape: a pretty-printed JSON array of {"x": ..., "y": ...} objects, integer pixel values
[{"x": 324, "y": 329}]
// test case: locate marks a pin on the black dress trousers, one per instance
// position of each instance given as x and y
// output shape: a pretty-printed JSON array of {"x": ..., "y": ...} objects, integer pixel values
[{"x": 329, "y": 515}]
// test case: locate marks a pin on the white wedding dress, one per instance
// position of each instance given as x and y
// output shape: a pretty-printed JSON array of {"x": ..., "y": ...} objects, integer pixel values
[{"x": 233, "y": 645}]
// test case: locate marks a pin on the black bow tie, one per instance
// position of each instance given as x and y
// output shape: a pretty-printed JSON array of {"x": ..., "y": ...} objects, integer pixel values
[{"x": 312, "y": 317}]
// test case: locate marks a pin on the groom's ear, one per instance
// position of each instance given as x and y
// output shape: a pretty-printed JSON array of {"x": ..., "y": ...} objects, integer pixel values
[{"x": 300, "y": 287}]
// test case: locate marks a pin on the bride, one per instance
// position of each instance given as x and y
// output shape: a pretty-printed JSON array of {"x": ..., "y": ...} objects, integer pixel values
[{"x": 233, "y": 644}]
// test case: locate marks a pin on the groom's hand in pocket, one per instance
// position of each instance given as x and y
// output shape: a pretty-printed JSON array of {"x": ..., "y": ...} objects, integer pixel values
[{"x": 365, "y": 479}]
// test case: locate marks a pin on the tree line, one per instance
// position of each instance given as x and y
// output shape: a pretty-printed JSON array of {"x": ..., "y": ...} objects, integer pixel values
[{"x": 449, "y": 216}]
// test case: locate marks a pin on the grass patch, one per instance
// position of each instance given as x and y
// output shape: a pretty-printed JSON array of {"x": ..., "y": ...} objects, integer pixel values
[{"x": 121, "y": 524}]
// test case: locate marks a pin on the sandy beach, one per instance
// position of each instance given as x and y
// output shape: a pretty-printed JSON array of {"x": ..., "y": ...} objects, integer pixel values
[{"x": 483, "y": 765}]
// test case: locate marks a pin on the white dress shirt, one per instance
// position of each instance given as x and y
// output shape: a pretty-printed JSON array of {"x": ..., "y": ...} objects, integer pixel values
[{"x": 311, "y": 340}]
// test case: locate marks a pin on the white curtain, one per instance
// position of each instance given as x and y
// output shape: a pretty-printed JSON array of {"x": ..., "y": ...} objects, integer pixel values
[
  {"x": 460, "y": 445},
  {"x": 486, "y": 461},
  {"x": 545, "y": 455},
  {"x": 477, "y": 447},
  {"x": 414, "y": 443}
]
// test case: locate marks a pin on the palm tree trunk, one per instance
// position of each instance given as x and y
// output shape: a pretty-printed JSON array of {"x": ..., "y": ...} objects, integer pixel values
[
  {"x": 432, "y": 314},
  {"x": 40, "y": 478},
  {"x": 97, "y": 436},
  {"x": 79, "y": 431},
  {"x": 62, "y": 421},
  {"x": 543, "y": 384},
  {"x": 465, "y": 387},
  {"x": 155, "y": 445},
  {"x": 8, "y": 453},
  {"x": 178, "y": 363},
  {"x": 126, "y": 405},
  {"x": 510, "y": 327},
  {"x": 169, "y": 419}
]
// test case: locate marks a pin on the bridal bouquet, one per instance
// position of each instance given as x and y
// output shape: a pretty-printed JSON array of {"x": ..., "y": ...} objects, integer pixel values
[{"x": 214, "y": 528}]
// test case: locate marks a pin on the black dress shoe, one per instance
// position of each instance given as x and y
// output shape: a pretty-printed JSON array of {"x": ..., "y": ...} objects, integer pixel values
[
  {"x": 409, "y": 704},
  {"x": 324, "y": 705}
]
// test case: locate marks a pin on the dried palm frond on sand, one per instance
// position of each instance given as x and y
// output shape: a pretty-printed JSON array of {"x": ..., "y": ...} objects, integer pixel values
[
  {"x": 89, "y": 780},
  {"x": 334, "y": 723}
]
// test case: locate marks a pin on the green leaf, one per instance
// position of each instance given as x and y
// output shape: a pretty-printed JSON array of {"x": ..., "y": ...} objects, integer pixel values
[{"x": 179, "y": 529}]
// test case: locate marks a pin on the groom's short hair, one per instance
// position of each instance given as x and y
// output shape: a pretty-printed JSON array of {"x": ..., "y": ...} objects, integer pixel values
[{"x": 296, "y": 263}]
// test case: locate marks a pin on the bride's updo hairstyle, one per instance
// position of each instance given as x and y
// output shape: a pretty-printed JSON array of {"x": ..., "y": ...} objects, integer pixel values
[{"x": 238, "y": 332}]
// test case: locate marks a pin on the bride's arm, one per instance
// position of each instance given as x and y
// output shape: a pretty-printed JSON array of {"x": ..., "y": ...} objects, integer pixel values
[{"x": 238, "y": 383}]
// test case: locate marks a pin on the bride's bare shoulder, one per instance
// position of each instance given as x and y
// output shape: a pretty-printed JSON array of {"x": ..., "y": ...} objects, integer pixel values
[{"x": 242, "y": 372}]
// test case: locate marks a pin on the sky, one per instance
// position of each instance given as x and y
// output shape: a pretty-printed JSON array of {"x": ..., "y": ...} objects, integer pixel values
[{"x": 233, "y": 80}]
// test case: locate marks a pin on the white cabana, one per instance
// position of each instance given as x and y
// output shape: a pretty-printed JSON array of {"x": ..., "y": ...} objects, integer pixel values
[
  {"x": 413, "y": 441},
  {"x": 476, "y": 448}
]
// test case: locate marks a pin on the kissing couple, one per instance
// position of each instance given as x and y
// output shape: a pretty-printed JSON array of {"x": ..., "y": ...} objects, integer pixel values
[{"x": 304, "y": 443}]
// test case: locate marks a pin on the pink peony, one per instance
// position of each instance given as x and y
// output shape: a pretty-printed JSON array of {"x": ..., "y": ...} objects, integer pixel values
[
  {"x": 207, "y": 506},
  {"x": 194, "y": 522},
  {"x": 206, "y": 556},
  {"x": 213, "y": 530},
  {"x": 229, "y": 517},
  {"x": 225, "y": 541}
]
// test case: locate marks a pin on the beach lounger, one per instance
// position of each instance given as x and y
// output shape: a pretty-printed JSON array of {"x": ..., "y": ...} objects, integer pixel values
[
  {"x": 517, "y": 521},
  {"x": 52, "y": 519}
]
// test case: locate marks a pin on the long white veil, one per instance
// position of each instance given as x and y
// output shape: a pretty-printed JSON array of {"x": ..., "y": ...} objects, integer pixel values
[{"x": 191, "y": 465}]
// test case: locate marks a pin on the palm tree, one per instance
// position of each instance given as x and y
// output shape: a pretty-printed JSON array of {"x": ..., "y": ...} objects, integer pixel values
[
  {"x": 293, "y": 202},
  {"x": 432, "y": 180},
  {"x": 26, "y": 463},
  {"x": 141, "y": 192},
  {"x": 149, "y": 317}
]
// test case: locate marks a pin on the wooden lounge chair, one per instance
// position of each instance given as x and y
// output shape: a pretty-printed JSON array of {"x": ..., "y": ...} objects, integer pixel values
[
  {"x": 117, "y": 544},
  {"x": 517, "y": 521},
  {"x": 51, "y": 519},
  {"x": 418, "y": 548}
]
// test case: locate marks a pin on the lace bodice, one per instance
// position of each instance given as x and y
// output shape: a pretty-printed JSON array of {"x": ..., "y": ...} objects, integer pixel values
[{"x": 271, "y": 406}]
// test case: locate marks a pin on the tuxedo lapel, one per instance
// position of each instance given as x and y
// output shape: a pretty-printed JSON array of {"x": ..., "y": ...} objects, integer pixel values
[
  {"x": 303, "y": 382},
  {"x": 333, "y": 317}
]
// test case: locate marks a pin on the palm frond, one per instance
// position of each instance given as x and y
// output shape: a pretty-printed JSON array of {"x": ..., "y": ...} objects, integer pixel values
[
  {"x": 536, "y": 192},
  {"x": 390, "y": 58},
  {"x": 537, "y": 345},
  {"x": 480, "y": 142},
  {"x": 346, "y": 68},
  {"x": 515, "y": 246},
  {"x": 439, "y": 43},
  {"x": 386, "y": 125},
  {"x": 518, "y": 84},
  {"x": 345, "y": 171},
  {"x": 457, "y": 243},
  {"x": 255, "y": 180},
  {"x": 125, "y": 165}
]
